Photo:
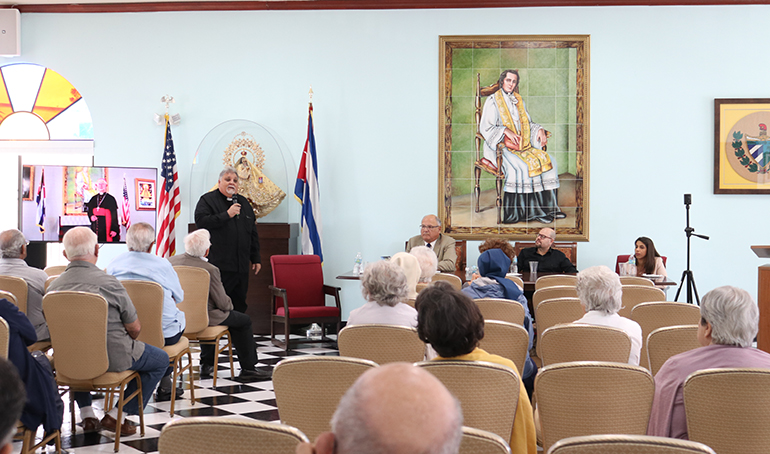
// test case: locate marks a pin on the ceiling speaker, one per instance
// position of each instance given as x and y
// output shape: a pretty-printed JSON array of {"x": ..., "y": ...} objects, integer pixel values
[{"x": 10, "y": 33}]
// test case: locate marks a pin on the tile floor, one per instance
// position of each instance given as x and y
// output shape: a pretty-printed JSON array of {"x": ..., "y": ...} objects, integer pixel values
[{"x": 254, "y": 400}]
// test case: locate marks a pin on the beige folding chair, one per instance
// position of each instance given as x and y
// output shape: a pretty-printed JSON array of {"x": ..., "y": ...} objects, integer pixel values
[
  {"x": 637, "y": 294},
  {"x": 420, "y": 287},
  {"x": 516, "y": 280},
  {"x": 49, "y": 281},
  {"x": 477, "y": 441},
  {"x": 40, "y": 345},
  {"x": 195, "y": 284},
  {"x": 651, "y": 316},
  {"x": 555, "y": 312},
  {"x": 206, "y": 435},
  {"x": 410, "y": 302},
  {"x": 77, "y": 322},
  {"x": 18, "y": 288},
  {"x": 729, "y": 409},
  {"x": 554, "y": 280},
  {"x": 451, "y": 278},
  {"x": 148, "y": 300},
  {"x": 636, "y": 280},
  {"x": 381, "y": 343},
  {"x": 308, "y": 389},
  {"x": 577, "y": 342},
  {"x": 549, "y": 293},
  {"x": 589, "y": 398},
  {"x": 501, "y": 309},
  {"x": 54, "y": 270},
  {"x": 508, "y": 340},
  {"x": 491, "y": 406},
  {"x": 627, "y": 444},
  {"x": 5, "y": 334},
  {"x": 663, "y": 343}
]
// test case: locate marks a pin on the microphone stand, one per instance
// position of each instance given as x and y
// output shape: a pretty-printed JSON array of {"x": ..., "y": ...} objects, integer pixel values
[{"x": 687, "y": 274}]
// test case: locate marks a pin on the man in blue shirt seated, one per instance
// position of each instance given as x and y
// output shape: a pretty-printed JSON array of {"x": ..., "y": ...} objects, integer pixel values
[{"x": 139, "y": 263}]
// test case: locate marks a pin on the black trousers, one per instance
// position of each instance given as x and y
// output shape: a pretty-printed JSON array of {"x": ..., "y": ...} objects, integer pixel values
[
  {"x": 236, "y": 286},
  {"x": 243, "y": 340}
]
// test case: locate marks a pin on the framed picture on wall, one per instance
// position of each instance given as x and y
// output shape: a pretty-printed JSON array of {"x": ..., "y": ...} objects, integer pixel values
[
  {"x": 741, "y": 146},
  {"x": 514, "y": 135},
  {"x": 27, "y": 182},
  {"x": 145, "y": 194}
]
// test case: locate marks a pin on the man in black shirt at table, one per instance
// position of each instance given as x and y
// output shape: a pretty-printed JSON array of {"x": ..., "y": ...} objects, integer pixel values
[{"x": 549, "y": 260}]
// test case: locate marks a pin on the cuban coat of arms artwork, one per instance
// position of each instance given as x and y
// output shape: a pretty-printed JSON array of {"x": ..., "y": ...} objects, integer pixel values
[{"x": 741, "y": 146}]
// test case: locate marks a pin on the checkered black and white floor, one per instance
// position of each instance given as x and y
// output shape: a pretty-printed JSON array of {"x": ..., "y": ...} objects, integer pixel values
[{"x": 230, "y": 399}]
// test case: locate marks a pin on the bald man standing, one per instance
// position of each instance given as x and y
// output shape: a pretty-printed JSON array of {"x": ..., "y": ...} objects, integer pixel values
[{"x": 396, "y": 408}]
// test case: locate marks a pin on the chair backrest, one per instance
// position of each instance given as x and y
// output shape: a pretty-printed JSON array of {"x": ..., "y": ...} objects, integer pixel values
[
  {"x": 568, "y": 248},
  {"x": 636, "y": 280},
  {"x": 9, "y": 296},
  {"x": 663, "y": 343},
  {"x": 508, "y": 340},
  {"x": 147, "y": 297},
  {"x": 577, "y": 342},
  {"x": 491, "y": 407},
  {"x": 624, "y": 259},
  {"x": 651, "y": 316},
  {"x": 588, "y": 398},
  {"x": 205, "y": 435},
  {"x": 195, "y": 285},
  {"x": 729, "y": 409},
  {"x": 477, "y": 441},
  {"x": 420, "y": 287},
  {"x": 627, "y": 444},
  {"x": 54, "y": 270},
  {"x": 451, "y": 278},
  {"x": 549, "y": 293},
  {"x": 49, "y": 280},
  {"x": 308, "y": 389},
  {"x": 516, "y": 279},
  {"x": 501, "y": 309},
  {"x": 77, "y": 322},
  {"x": 5, "y": 334},
  {"x": 18, "y": 287},
  {"x": 554, "y": 280},
  {"x": 307, "y": 291},
  {"x": 555, "y": 312},
  {"x": 381, "y": 343},
  {"x": 637, "y": 294}
]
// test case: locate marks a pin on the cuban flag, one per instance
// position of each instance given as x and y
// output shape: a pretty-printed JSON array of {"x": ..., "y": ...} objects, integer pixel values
[
  {"x": 306, "y": 193},
  {"x": 40, "y": 200}
]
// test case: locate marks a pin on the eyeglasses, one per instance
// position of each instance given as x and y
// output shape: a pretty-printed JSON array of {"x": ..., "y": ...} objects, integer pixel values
[
  {"x": 423, "y": 226},
  {"x": 543, "y": 237}
]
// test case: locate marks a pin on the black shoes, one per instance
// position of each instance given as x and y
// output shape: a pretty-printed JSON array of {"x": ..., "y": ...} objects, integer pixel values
[
  {"x": 206, "y": 371},
  {"x": 253, "y": 375},
  {"x": 164, "y": 395}
]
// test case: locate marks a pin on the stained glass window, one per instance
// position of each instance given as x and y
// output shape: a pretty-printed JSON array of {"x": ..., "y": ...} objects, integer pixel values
[{"x": 37, "y": 103}]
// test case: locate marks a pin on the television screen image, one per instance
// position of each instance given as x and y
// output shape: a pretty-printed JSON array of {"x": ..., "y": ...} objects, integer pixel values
[{"x": 106, "y": 199}]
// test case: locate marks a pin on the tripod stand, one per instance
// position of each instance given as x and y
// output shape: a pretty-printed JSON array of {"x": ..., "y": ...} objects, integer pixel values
[{"x": 687, "y": 274}]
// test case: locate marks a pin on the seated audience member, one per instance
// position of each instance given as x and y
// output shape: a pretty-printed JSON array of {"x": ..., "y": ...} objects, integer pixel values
[
  {"x": 648, "y": 261},
  {"x": 428, "y": 263},
  {"x": 12, "y": 399},
  {"x": 729, "y": 321},
  {"x": 392, "y": 409},
  {"x": 123, "y": 327},
  {"x": 442, "y": 245},
  {"x": 493, "y": 266},
  {"x": 411, "y": 267},
  {"x": 384, "y": 288},
  {"x": 44, "y": 405},
  {"x": 600, "y": 294},
  {"x": 498, "y": 243},
  {"x": 13, "y": 251},
  {"x": 220, "y": 307},
  {"x": 549, "y": 260},
  {"x": 452, "y": 323},
  {"x": 139, "y": 263}
]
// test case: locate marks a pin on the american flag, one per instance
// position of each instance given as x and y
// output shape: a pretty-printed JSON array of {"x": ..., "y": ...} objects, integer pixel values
[
  {"x": 170, "y": 201},
  {"x": 125, "y": 206}
]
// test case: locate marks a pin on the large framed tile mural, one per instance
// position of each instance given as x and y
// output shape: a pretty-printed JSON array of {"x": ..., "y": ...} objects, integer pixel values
[{"x": 514, "y": 136}]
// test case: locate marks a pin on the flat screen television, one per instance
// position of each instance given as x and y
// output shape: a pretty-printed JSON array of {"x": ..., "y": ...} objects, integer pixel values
[{"x": 55, "y": 199}]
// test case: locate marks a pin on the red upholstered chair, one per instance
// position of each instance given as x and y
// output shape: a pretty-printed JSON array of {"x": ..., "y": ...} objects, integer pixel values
[
  {"x": 624, "y": 259},
  {"x": 299, "y": 296}
]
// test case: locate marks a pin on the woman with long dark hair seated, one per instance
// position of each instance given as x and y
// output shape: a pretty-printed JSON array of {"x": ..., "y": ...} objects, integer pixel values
[{"x": 648, "y": 260}]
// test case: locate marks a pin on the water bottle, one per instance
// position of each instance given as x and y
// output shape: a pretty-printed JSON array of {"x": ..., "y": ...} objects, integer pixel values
[
  {"x": 315, "y": 332},
  {"x": 515, "y": 265},
  {"x": 357, "y": 264},
  {"x": 631, "y": 266}
]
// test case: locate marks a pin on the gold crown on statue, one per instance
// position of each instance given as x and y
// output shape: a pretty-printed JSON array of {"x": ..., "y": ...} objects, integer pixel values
[{"x": 245, "y": 146}]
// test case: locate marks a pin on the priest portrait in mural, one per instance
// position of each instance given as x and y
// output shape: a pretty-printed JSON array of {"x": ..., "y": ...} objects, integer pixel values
[
  {"x": 102, "y": 211},
  {"x": 531, "y": 177}
]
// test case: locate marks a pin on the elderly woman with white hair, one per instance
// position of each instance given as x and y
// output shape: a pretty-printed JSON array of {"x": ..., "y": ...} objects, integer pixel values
[
  {"x": 384, "y": 286},
  {"x": 600, "y": 293},
  {"x": 729, "y": 321},
  {"x": 428, "y": 263}
]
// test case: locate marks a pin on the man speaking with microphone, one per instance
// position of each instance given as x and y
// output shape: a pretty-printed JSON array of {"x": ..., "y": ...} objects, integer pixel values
[{"x": 231, "y": 222}]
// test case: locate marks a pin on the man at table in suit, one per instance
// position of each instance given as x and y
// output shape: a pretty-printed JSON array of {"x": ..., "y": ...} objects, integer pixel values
[
  {"x": 431, "y": 237},
  {"x": 220, "y": 307},
  {"x": 549, "y": 260}
]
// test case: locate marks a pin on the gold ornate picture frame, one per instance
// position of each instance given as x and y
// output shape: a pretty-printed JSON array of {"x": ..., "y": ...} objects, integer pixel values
[
  {"x": 741, "y": 146},
  {"x": 516, "y": 160}
]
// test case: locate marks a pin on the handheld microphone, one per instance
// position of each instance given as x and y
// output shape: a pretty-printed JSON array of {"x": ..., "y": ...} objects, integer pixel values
[{"x": 235, "y": 200}]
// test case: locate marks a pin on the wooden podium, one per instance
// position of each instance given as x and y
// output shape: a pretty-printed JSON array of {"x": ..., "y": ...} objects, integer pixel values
[{"x": 763, "y": 299}]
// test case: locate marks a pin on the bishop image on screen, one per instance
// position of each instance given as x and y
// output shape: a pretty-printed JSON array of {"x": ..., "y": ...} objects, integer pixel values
[{"x": 102, "y": 210}]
